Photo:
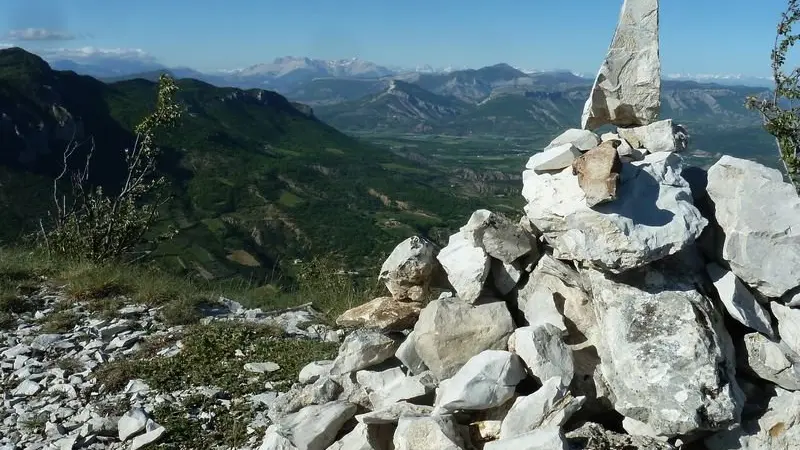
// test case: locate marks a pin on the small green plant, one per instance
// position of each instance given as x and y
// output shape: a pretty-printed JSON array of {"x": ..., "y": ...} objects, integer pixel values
[
  {"x": 6, "y": 320},
  {"x": 36, "y": 423},
  {"x": 324, "y": 282},
  {"x": 780, "y": 114},
  {"x": 209, "y": 357},
  {"x": 70, "y": 365},
  {"x": 97, "y": 225},
  {"x": 225, "y": 427},
  {"x": 60, "y": 322}
]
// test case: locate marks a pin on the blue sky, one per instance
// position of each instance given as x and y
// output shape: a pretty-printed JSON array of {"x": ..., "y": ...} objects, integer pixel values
[{"x": 697, "y": 36}]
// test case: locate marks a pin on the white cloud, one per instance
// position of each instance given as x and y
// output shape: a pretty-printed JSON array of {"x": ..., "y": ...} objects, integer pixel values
[
  {"x": 5, "y": 45},
  {"x": 39, "y": 34},
  {"x": 95, "y": 53}
]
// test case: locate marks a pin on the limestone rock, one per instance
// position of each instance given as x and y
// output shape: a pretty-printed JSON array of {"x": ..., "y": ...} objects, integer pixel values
[
  {"x": 624, "y": 149},
  {"x": 542, "y": 439},
  {"x": 758, "y": 213},
  {"x": 382, "y": 313},
  {"x": 554, "y": 158},
  {"x": 555, "y": 292},
  {"x": 544, "y": 352},
  {"x": 550, "y": 406},
  {"x": 362, "y": 349},
  {"x": 788, "y": 325},
  {"x": 467, "y": 265},
  {"x": 770, "y": 361},
  {"x": 627, "y": 89},
  {"x": 537, "y": 303},
  {"x": 653, "y": 216},
  {"x": 409, "y": 269},
  {"x": 315, "y": 427},
  {"x": 661, "y": 136},
  {"x": 664, "y": 352},
  {"x": 738, "y": 301},
  {"x": 273, "y": 440},
  {"x": 392, "y": 385},
  {"x": 312, "y": 371},
  {"x": 487, "y": 380},
  {"x": 777, "y": 429},
  {"x": 131, "y": 423},
  {"x": 598, "y": 173},
  {"x": 428, "y": 433},
  {"x": 394, "y": 412},
  {"x": 407, "y": 354},
  {"x": 582, "y": 139},
  {"x": 450, "y": 332},
  {"x": 499, "y": 236},
  {"x": 152, "y": 433},
  {"x": 323, "y": 390},
  {"x": 365, "y": 437},
  {"x": 261, "y": 367}
]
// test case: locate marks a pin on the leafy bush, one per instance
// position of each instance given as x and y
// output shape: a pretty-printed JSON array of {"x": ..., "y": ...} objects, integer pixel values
[{"x": 781, "y": 116}]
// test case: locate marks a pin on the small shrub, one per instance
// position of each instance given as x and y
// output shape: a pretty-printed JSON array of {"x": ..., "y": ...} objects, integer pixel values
[
  {"x": 115, "y": 375},
  {"x": 60, "y": 322},
  {"x": 36, "y": 423},
  {"x": 70, "y": 365},
  {"x": 94, "y": 224},
  {"x": 780, "y": 113},
  {"x": 12, "y": 302},
  {"x": 180, "y": 312},
  {"x": 6, "y": 321}
]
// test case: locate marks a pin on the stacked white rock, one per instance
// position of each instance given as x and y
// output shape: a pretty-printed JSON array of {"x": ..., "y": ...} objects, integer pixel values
[{"x": 583, "y": 318}]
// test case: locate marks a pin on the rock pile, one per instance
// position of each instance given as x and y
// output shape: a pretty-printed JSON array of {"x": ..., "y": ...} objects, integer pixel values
[
  {"x": 628, "y": 308},
  {"x": 51, "y": 397}
]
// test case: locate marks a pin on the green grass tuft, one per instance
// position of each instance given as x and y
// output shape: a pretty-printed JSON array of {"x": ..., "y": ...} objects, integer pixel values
[{"x": 209, "y": 357}]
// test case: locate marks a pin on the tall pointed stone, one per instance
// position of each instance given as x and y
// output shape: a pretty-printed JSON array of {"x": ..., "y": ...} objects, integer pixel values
[{"x": 627, "y": 89}]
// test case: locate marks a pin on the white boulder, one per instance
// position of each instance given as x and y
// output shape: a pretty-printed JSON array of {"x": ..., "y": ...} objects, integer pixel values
[
  {"x": 758, "y": 213},
  {"x": 487, "y": 380},
  {"x": 554, "y": 158},
  {"x": 738, "y": 301},
  {"x": 409, "y": 269}
]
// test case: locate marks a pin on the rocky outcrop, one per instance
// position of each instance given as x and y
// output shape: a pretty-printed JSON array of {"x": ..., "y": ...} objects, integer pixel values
[
  {"x": 661, "y": 136},
  {"x": 653, "y": 215},
  {"x": 627, "y": 89},
  {"x": 758, "y": 213},
  {"x": 409, "y": 269}
]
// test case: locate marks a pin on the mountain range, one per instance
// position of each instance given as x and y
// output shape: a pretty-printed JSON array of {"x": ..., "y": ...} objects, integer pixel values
[{"x": 288, "y": 71}]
